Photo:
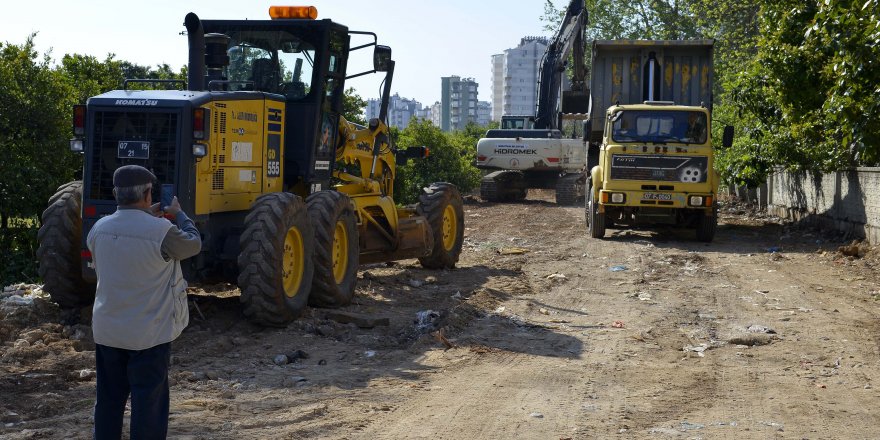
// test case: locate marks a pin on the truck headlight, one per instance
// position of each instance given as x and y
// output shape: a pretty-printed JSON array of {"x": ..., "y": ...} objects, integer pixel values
[
  {"x": 618, "y": 197},
  {"x": 695, "y": 200}
]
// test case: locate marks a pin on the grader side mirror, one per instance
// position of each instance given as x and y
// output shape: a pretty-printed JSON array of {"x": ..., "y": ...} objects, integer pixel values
[
  {"x": 727, "y": 139},
  {"x": 403, "y": 156},
  {"x": 381, "y": 58}
]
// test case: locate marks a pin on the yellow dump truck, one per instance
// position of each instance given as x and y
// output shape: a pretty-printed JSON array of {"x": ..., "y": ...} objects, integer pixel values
[{"x": 651, "y": 132}]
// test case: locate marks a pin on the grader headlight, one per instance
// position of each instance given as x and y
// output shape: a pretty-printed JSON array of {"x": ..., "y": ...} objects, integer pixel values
[{"x": 293, "y": 12}]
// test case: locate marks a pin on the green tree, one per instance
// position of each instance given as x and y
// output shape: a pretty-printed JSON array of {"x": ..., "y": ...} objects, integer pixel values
[
  {"x": 632, "y": 19},
  {"x": 35, "y": 115},
  {"x": 809, "y": 96},
  {"x": 451, "y": 160},
  {"x": 353, "y": 107},
  {"x": 35, "y": 102}
]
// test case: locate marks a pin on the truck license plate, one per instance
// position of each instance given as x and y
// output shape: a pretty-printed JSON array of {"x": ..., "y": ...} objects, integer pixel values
[
  {"x": 133, "y": 150},
  {"x": 656, "y": 196}
]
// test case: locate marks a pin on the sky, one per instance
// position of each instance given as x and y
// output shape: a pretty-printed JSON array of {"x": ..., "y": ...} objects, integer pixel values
[{"x": 429, "y": 39}]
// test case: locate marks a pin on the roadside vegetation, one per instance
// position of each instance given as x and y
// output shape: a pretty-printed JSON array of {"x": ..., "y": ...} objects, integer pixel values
[{"x": 799, "y": 81}]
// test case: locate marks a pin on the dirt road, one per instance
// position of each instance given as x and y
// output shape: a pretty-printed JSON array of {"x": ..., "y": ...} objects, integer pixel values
[{"x": 554, "y": 335}]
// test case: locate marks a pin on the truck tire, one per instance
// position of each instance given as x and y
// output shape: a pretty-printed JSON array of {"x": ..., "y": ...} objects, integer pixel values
[
  {"x": 595, "y": 219},
  {"x": 706, "y": 226},
  {"x": 441, "y": 205},
  {"x": 60, "y": 239},
  {"x": 567, "y": 189},
  {"x": 275, "y": 263},
  {"x": 336, "y": 251}
]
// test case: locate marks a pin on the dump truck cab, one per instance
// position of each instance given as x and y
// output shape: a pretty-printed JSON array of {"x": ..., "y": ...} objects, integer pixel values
[{"x": 656, "y": 166}]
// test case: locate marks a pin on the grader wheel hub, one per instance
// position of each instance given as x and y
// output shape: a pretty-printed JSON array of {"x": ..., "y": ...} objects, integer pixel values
[
  {"x": 293, "y": 261},
  {"x": 450, "y": 224},
  {"x": 340, "y": 252}
]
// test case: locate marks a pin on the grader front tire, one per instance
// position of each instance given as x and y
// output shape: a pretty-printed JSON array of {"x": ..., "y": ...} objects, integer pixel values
[
  {"x": 336, "y": 251},
  {"x": 275, "y": 263},
  {"x": 442, "y": 206},
  {"x": 59, "y": 252}
]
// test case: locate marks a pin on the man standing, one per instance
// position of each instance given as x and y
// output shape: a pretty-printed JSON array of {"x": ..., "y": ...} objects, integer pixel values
[{"x": 140, "y": 304}]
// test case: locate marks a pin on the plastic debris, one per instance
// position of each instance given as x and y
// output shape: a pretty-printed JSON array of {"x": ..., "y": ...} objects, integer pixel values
[
  {"x": 688, "y": 426},
  {"x": 512, "y": 251},
  {"x": 370, "y": 353},
  {"x": 618, "y": 324},
  {"x": 617, "y": 268},
  {"x": 426, "y": 320}
]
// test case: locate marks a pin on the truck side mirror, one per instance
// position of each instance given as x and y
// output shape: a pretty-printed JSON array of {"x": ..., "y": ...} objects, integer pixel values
[
  {"x": 727, "y": 140},
  {"x": 381, "y": 58}
]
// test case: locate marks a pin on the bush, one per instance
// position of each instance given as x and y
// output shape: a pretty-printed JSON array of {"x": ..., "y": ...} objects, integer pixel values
[
  {"x": 18, "y": 262},
  {"x": 451, "y": 160}
]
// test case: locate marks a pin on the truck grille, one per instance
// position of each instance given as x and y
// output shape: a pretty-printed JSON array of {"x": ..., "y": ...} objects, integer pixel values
[
  {"x": 686, "y": 169},
  {"x": 160, "y": 129}
]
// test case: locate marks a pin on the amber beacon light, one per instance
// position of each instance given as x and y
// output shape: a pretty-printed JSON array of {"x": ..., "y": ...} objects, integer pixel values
[{"x": 285, "y": 12}]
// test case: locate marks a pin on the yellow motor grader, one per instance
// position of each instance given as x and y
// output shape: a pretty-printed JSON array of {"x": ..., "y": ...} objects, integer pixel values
[{"x": 290, "y": 198}]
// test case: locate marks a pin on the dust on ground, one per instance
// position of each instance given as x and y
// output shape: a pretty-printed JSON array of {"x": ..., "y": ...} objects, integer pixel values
[{"x": 541, "y": 332}]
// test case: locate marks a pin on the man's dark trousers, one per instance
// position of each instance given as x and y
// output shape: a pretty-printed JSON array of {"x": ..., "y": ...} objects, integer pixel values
[{"x": 144, "y": 375}]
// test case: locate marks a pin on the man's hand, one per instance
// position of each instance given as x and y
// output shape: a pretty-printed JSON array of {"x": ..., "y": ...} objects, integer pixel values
[
  {"x": 155, "y": 210},
  {"x": 174, "y": 207}
]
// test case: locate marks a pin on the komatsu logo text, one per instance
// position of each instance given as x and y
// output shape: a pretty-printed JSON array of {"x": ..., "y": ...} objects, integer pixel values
[{"x": 145, "y": 102}]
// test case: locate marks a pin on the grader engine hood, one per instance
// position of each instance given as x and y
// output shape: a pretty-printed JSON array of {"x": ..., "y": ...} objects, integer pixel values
[{"x": 146, "y": 128}]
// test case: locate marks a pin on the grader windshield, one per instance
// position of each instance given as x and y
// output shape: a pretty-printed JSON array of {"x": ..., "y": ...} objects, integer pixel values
[{"x": 270, "y": 61}]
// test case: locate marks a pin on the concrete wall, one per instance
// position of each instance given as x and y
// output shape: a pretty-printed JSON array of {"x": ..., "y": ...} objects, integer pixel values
[{"x": 847, "y": 201}]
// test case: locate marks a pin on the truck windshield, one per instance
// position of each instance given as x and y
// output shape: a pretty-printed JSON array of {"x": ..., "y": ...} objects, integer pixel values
[{"x": 659, "y": 126}]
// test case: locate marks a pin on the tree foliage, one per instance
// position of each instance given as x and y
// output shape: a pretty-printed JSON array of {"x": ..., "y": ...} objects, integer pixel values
[
  {"x": 353, "y": 107},
  {"x": 809, "y": 95},
  {"x": 451, "y": 160}
]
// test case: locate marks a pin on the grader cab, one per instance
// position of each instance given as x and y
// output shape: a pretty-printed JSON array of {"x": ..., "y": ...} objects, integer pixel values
[{"x": 288, "y": 195}]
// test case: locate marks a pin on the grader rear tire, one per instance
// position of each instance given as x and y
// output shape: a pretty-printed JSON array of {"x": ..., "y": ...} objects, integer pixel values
[
  {"x": 275, "y": 263},
  {"x": 336, "y": 251},
  {"x": 60, "y": 239},
  {"x": 441, "y": 204}
]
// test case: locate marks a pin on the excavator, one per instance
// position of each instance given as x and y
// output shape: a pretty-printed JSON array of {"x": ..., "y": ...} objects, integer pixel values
[
  {"x": 289, "y": 196},
  {"x": 540, "y": 151}
]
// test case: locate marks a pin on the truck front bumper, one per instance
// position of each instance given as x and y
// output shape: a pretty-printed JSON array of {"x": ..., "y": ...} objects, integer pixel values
[{"x": 655, "y": 199}]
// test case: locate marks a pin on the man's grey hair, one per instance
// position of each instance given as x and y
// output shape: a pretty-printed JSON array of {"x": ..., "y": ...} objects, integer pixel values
[{"x": 129, "y": 195}]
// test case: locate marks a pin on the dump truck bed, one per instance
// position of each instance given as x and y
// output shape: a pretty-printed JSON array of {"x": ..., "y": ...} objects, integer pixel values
[{"x": 620, "y": 72}]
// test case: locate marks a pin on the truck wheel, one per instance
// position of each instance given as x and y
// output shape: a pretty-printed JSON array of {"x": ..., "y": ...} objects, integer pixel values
[
  {"x": 596, "y": 220},
  {"x": 60, "y": 239},
  {"x": 336, "y": 252},
  {"x": 441, "y": 205},
  {"x": 706, "y": 226},
  {"x": 275, "y": 264}
]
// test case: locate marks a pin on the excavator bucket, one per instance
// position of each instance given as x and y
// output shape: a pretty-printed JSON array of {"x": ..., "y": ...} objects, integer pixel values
[{"x": 576, "y": 101}]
